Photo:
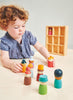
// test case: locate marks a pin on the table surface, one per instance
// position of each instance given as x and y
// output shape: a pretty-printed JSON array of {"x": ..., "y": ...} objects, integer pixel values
[{"x": 12, "y": 84}]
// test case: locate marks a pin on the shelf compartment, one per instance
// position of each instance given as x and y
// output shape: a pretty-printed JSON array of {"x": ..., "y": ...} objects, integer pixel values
[
  {"x": 62, "y": 30},
  {"x": 61, "y": 40},
  {"x": 50, "y": 31},
  {"x": 55, "y": 39},
  {"x": 49, "y": 39},
  {"x": 56, "y": 30},
  {"x": 61, "y": 49},
  {"x": 49, "y": 48},
  {"x": 55, "y": 48}
]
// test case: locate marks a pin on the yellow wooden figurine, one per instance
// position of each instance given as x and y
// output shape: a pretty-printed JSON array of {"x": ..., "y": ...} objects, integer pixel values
[{"x": 23, "y": 63}]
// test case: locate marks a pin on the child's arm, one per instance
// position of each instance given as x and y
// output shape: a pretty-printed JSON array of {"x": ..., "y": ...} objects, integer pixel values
[
  {"x": 41, "y": 49},
  {"x": 8, "y": 63}
]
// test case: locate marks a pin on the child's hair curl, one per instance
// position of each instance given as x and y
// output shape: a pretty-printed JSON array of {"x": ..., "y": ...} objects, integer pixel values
[{"x": 10, "y": 13}]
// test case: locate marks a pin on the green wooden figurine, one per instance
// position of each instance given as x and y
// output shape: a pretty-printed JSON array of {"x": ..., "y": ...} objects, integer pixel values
[{"x": 43, "y": 84}]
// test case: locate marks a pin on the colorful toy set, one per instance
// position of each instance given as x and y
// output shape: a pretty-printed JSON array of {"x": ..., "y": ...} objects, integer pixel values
[
  {"x": 24, "y": 64},
  {"x": 28, "y": 70},
  {"x": 43, "y": 79}
]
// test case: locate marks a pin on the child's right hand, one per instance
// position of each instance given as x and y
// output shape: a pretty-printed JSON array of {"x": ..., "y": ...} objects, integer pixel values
[{"x": 16, "y": 67}]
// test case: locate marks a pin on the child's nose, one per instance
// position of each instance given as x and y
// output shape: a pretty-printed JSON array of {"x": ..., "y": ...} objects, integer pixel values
[{"x": 20, "y": 29}]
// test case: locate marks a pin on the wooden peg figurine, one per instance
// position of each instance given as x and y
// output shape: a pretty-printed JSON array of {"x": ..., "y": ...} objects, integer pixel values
[
  {"x": 31, "y": 60},
  {"x": 27, "y": 79},
  {"x": 23, "y": 63},
  {"x": 50, "y": 61},
  {"x": 50, "y": 31},
  {"x": 43, "y": 84},
  {"x": 58, "y": 76},
  {"x": 40, "y": 71},
  {"x": 30, "y": 65}
]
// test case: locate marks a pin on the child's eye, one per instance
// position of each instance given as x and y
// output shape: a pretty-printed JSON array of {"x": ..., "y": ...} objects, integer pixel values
[
  {"x": 23, "y": 26},
  {"x": 16, "y": 27}
]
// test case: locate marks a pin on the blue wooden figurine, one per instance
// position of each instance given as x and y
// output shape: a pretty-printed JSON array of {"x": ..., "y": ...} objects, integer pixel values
[{"x": 58, "y": 76}]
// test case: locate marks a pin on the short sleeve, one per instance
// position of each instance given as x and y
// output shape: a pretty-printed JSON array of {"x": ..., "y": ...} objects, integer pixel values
[
  {"x": 3, "y": 46},
  {"x": 32, "y": 39}
]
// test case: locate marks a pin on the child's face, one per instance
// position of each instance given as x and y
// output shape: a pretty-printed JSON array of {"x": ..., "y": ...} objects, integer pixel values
[{"x": 16, "y": 28}]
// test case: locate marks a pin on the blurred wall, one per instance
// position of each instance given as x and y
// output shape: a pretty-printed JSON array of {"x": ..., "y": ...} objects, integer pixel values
[{"x": 46, "y": 12}]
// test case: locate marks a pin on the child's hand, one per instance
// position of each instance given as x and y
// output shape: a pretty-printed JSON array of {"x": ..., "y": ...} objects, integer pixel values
[{"x": 16, "y": 67}]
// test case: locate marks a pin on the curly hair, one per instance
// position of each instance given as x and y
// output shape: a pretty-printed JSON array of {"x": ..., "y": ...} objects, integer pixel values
[{"x": 10, "y": 13}]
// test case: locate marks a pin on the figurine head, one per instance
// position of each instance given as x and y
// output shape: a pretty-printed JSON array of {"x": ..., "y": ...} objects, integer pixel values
[
  {"x": 43, "y": 78},
  {"x": 31, "y": 59},
  {"x": 58, "y": 74},
  {"x": 30, "y": 65},
  {"x": 51, "y": 58},
  {"x": 50, "y": 29},
  {"x": 23, "y": 61},
  {"x": 40, "y": 67}
]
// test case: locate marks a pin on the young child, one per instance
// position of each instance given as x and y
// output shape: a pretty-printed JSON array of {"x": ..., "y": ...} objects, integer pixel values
[{"x": 17, "y": 40}]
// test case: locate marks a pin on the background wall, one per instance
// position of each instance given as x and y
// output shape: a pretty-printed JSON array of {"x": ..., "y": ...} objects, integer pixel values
[{"x": 46, "y": 12}]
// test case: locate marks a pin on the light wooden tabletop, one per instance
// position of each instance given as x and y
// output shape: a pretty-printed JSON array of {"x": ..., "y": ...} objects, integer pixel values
[{"x": 12, "y": 87}]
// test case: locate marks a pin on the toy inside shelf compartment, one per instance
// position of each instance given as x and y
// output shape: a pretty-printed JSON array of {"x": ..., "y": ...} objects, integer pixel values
[
  {"x": 56, "y": 39},
  {"x": 50, "y": 31}
]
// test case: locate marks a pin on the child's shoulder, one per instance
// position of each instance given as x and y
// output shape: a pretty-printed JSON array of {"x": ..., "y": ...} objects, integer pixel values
[{"x": 6, "y": 38}]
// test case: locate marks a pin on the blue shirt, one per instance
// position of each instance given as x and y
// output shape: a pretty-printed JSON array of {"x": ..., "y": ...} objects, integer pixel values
[{"x": 17, "y": 50}]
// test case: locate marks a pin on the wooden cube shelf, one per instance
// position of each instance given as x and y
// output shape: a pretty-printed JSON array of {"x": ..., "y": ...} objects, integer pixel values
[{"x": 56, "y": 39}]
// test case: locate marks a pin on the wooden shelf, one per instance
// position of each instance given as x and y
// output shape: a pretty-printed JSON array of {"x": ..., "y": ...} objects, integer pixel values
[{"x": 56, "y": 39}]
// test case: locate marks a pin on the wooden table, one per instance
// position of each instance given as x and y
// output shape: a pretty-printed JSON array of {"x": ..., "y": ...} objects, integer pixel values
[{"x": 12, "y": 87}]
